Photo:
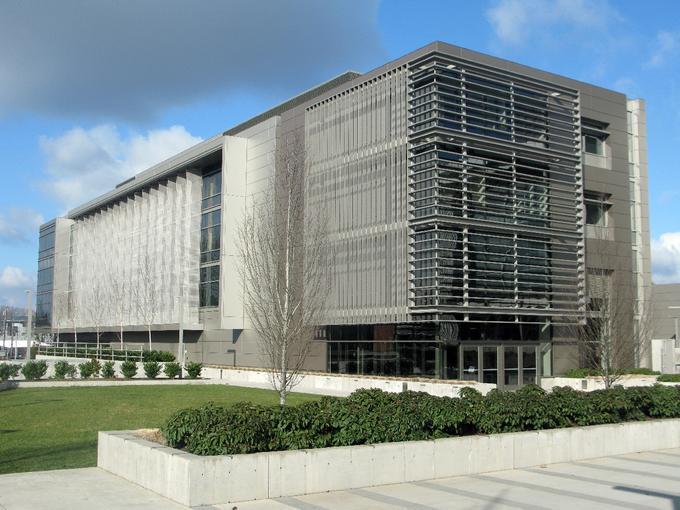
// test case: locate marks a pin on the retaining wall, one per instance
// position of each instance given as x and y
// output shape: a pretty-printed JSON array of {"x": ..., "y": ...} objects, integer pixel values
[
  {"x": 343, "y": 385},
  {"x": 194, "y": 480},
  {"x": 596, "y": 383}
]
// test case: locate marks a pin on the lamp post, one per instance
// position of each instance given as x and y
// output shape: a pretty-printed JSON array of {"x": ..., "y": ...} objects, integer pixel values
[{"x": 29, "y": 324}]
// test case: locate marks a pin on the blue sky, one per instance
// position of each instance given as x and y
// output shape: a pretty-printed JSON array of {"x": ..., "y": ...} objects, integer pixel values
[{"x": 93, "y": 92}]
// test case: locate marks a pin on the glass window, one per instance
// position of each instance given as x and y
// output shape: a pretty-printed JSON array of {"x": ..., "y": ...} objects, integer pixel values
[
  {"x": 212, "y": 187},
  {"x": 596, "y": 214},
  {"x": 210, "y": 286},
  {"x": 592, "y": 144}
]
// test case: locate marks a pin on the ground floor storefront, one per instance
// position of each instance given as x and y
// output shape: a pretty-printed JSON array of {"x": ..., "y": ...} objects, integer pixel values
[{"x": 510, "y": 360}]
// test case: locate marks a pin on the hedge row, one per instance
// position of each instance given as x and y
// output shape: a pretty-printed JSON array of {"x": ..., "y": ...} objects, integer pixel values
[
  {"x": 108, "y": 353},
  {"x": 580, "y": 373},
  {"x": 35, "y": 370},
  {"x": 373, "y": 416}
]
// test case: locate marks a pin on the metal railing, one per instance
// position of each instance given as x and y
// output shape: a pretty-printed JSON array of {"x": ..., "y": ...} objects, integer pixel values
[{"x": 88, "y": 350}]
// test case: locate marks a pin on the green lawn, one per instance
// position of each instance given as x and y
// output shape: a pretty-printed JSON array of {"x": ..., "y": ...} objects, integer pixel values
[{"x": 55, "y": 428}]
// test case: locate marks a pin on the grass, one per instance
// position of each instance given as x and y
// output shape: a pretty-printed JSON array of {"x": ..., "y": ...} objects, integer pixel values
[{"x": 56, "y": 428}]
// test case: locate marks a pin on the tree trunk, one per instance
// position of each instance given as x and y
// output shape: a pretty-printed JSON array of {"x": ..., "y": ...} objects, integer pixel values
[
  {"x": 149, "y": 337},
  {"x": 283, "y": 389}
]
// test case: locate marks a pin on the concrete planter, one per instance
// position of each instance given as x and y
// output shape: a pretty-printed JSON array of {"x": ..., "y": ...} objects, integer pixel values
[{"x": 193, "y": 480}]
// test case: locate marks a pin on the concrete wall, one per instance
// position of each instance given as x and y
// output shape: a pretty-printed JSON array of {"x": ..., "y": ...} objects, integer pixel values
[
  {"x": 664, "y": 296},
  {"x": 595, "y": 383},
  {"x": 193, "y": 480},
  {"x": 666, "y": 356},
  {"x": 343, "y": 385}
]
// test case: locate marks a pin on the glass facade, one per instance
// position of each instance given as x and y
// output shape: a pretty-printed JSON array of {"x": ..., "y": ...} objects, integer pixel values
[
  {"x": 211, "y": 225},
  {"x": 425, "y": 350},
  {"x": 44, "y": 289}
]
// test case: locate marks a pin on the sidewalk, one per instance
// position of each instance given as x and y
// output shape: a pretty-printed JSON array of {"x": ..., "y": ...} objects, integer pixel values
[{"x": 647, "y": 480}]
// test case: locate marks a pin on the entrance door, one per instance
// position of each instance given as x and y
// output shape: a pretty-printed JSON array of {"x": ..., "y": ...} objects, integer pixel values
[
  {"x": 510, "y": 366},
  {"x": 470, "y": 364},
  {"x": 490, "y": 365},
  {"x": 451, "y": 362},
  {"x": 528, "y": 364}
]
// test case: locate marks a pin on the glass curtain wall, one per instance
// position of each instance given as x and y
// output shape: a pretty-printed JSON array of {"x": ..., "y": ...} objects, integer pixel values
[
  {"x": 211, "y": 225},
  {"x": 43, "y": 314}
]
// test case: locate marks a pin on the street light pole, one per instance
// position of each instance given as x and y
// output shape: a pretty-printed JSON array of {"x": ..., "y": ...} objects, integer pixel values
[
  {"x": 181, "y": 329},
  {"x": 29, "y": 324}
]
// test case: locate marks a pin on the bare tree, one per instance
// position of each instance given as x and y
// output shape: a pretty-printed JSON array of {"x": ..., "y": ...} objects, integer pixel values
[
  {"x": 284, "y": 261},
  {"x": 119, "y": 304},
  {"x": 73, "y": 313},
  {"x": 146, "y": 297},
  {"x": 60, "y": 312},
  {"x": 99, "y": 299},
  {"x": 616, "y": 332}
]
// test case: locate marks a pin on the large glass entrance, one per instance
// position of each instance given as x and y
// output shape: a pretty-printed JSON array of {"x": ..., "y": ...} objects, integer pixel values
[{"x": 508, "y": 365}]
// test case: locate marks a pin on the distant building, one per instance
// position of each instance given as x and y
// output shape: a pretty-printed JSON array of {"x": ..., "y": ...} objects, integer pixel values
[{"x": 474, "y": 204}]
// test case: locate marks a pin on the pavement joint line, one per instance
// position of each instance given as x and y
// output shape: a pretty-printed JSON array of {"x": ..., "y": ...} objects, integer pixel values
[
  {"x": 473, "y": 495},
  {"x": 598, "y": 481},
  {"x": 627, "y": 471},
  {"x": 562, "y": 492},
  {"x": 298, "y": 503},
  {"x": 389, "y": 500}
]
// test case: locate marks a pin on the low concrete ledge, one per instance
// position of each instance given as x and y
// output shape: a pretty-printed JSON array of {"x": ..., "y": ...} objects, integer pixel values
[
  {"x": 193, "y": 480},
  {"x": 344, "y": 384}
]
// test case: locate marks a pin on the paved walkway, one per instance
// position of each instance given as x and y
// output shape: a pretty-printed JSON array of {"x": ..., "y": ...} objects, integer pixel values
[{"x": 649, "y": 480}]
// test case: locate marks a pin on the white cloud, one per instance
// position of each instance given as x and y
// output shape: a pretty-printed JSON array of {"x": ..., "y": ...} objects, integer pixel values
[
  {"x": 14, "y": 282},
  {"x": 665, "y": 46},
  {"x": 516, "y": 21},
  {"x": 666, "y": 258},
  {"x": 19, "y": 224},
  {"x": 81, "y": 164}
]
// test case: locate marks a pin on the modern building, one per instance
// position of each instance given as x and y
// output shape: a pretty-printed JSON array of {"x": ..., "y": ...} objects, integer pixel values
[
  {"x": 476, "y": 206},
  {"x": 666, "y": 328}
]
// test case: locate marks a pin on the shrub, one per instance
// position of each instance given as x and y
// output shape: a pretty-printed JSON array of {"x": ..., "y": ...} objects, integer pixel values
[
  {"x": 642, "y": 371},
  {"x": 152, "y": 369},
  {"x": 34, "y": 370},
  {"x": 193, "y": 369},
  {"x": 108, "y": 370},
  {"x": 171, "y": 370},
  {"x": 86, "y": 370},
  {"x": 373, "y": 416},
  {"x": 62, "y": 370},
  {"x": 669, "y": 378},
  {"x": 96, "y": 367},
  {"x": 580, "y": 373},
  {"x": 9, "y": 371},
  {"x": 128, "y": 369},
  {"x": 159, "y": 356}
]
